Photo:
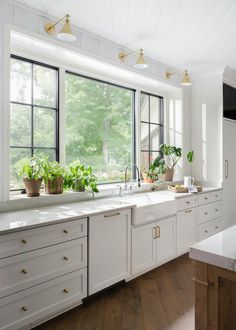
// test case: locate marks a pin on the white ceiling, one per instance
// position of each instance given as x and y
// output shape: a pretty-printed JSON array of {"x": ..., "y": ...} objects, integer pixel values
[{"x": 199, "y": 35}]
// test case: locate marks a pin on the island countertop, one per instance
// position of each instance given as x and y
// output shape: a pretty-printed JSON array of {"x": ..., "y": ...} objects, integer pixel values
[{"x": 218, "y": 250}]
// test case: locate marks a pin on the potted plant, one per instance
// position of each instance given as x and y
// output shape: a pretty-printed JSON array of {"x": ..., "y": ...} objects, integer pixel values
[
  {"x": 172, "y": 155},
  {"x": 80, "y": 178},
  {"x": 31, "y": 170},
  {"x": 53, "y": 176},
  {"x": 155, "y": 169}
]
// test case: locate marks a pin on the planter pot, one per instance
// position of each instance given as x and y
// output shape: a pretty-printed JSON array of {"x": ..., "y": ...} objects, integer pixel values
[
  {"x": 32, "y": 187},
  {"x": 78, "y": 186},
  {"x": 146, "y": 179},
  {"x": 54, "y": 186},
  {"x": 168, "y": 175}
]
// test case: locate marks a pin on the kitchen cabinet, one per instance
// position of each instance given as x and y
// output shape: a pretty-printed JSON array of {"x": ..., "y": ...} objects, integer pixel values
[
  {"x": 109, "y": 249},
  {"x": 186, "y": 229},
  {"x": 153, "y": 244}
]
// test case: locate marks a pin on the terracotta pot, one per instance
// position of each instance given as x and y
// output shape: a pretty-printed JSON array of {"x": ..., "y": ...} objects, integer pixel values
[
  {"x": 32, "y": 187},
  {"x": 168, "y": 175},
  {"x": 146, "y": 178},
  {"x": 54, "y": 186}
]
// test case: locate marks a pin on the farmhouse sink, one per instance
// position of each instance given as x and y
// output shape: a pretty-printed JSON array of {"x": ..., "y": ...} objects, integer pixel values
[{"x": 151, "y": 206}]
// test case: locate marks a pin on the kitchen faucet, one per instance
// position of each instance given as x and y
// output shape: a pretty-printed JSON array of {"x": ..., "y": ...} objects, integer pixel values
[{"x": 137, "y": 170}]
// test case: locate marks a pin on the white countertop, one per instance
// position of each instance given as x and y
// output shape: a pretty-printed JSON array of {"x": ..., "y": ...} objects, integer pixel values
[
  {"x": 29, "y": 218},
  {"x": 218, "y": 250}
]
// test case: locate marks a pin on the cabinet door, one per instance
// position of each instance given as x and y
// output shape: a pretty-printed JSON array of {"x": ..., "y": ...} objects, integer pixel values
[
  {"x": 166, "y": 239},
  {"x": 108, "y": 249},
  {"x": 186, "y": 229},
  {"x": 143, "y": 248}
]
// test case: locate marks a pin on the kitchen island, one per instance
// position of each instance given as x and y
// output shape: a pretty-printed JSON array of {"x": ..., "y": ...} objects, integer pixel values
[{"x": 215, "y": 281}]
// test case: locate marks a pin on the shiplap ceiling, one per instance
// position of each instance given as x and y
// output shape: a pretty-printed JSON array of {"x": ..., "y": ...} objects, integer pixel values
[{"x": 199, "y": 35}]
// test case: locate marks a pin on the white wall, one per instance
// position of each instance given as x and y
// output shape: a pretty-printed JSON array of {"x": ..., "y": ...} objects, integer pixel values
[{"x": 206, "y": 128}]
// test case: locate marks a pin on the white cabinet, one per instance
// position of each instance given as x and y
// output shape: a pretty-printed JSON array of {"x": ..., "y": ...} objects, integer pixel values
[
  {"x": 186, "y": 229},
  {"x": 152, "y": 244},
  {"x": 109, "y": 249}
]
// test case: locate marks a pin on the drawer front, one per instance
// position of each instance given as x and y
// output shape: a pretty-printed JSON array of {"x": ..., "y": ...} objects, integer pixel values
[
  {"x": 32, "y": 268},
  {"x": 210, "y": 197},
  {"x": 210, "y": 211},
  {"x": 29, "y": 305},
  {"x": 210, "y": 228},
  {"x": 186, "y": 202},
  {"x": 27, "y": 240}
]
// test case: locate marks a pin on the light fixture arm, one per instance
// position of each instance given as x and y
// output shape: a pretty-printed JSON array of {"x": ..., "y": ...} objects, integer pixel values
[
  {"x": 50, "y": 27},
  {"x": 123, "y": 55}
]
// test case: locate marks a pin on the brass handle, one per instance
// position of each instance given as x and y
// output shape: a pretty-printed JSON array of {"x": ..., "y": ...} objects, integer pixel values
[
  {"x": 226, "y": 168},
  {"x": 205, "y": 231},
  {"x": 65, "y": 258},
  {"x": 205, "y": 213},
  {"x": 154, "y": 232},
  {"x": 188, "y": 211},
  {"x": 111, "y": 215},
  {"x": 24, "y": 241},
  {"x": 206, "y": 198},
  {"x": 24, "y": 271},
  {"x": 187, "y": 202},
  {"x": 216, "y": 210},
  {"x": 216, "y": 196},
  {"x": 65, "y": 290},
  {"x": 158, "y": 231},
  {"x": 65, "y": 231},
  {"x": 216, "y": 227},
  {"x": 24, "y": 308}
]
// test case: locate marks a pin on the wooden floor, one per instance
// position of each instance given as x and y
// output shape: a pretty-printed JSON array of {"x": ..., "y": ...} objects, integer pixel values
[{"x": 160, "y": 299}]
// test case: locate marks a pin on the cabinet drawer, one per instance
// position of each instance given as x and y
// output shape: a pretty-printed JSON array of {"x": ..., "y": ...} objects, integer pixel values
[
  {"x": 31, "y": 239},
  {"x": 210, "y": 228},
  {"x": 210, "y": 211},
  {"x": 186, "y": 202},
  {"x": 210, "y": 197},
  {"x": 29, "y": 305},
  {"x": 31, "y": 268}
]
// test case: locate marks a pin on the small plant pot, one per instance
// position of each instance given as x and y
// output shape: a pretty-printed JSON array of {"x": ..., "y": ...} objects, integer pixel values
[
  {"x": 54, "y": 186},
  {"x": 32, "y": 187},
  {"x": 168, "y": 175},
  {"x": 146, "y": 179},
  {"x": 78, "y": 186}
]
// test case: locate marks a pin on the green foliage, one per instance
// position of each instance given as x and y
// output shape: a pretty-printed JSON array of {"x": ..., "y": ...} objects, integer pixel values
[
  {"x": 172, "y": 153},
  {"x": 156, "y": 168},
  {"x": 190, "y": 156},
  {"x": 30, "y": 168},
  {"x": 80, "y": 178},
  {"x": 52, "y": 170}
]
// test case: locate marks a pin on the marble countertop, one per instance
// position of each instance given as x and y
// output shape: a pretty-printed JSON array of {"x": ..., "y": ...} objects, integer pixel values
[
  {"x": 29, "y": 218},
  {"x": 218, "y": 250}
]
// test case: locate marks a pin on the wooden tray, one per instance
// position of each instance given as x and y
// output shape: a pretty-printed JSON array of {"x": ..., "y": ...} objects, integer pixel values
[{"x": 182, "y": 189}]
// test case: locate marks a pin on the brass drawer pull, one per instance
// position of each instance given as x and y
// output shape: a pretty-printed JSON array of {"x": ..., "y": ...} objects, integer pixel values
[
  {"x": 65, "y": 290},
  {"x": 206, "y": 231},
  {"x": 65, "y": 258},
  {"x": 187, "y": 202},
  {"x": 206, "y": 198},
  {"x": 24, "y": 271},
  {"x": 24, "y": 308},
  {"x": 205, "y": 213},
  {"x": 111, "y": 215},
  {"x": 158, "y": 231},
  {"x": 188, "y": 211},
  {"x": 216, "y": 227},
  {"x": 65, "y": 231},
  {"x": 24, "y": 241},
  {"x": 154, "y": 232}
]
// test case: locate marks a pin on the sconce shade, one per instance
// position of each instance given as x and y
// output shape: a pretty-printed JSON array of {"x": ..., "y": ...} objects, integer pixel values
[
  {"x": 66, "y": 33},
  {"x": 140, "y": 63},
  {"x": 186, "y": 79}
]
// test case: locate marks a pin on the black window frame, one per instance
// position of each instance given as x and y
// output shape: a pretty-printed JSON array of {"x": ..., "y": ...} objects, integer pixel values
[
  {"x": 32, "y": 105},
  {"x": 149, "y": 122}
]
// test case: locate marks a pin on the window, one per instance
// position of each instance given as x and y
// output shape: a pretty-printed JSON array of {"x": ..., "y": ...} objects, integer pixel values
[
  {"x": 151, "y": 112},
  {"x": 33, "y": 113},
  {"x": 99, "y": 126}
]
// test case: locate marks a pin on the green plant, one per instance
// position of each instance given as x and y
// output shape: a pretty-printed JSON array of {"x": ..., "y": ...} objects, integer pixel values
[
  {"x": 190, "y": 156},
  {"x": 80, "y": 178},
  {"x": 30, "y": 168},
  {"x": 156, "y": 168},
  {"x": 52, "y": 170},
  {"x": 173, "y": 155}
]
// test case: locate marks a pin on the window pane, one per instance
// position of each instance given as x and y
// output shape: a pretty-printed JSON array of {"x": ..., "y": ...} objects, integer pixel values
[
  {"x": 44, "y": 127},
  {"x": 144, "y": 160},
  {"x": 17, "y": 154},
  {"x": 20, "y": 125},
  {"x": 155, "y": 110},
  {"x": 144, "y": 106},
  {"x": 44, "y": 86},
  {"x": 154, "y": 155},
  {"x": 21, "y": 72},
  {"x": 98, "y": 126},
  {"x": 144, "y": 136},
  {"x": 43, "y": 153},
  {"x": 155, "y": 137}
]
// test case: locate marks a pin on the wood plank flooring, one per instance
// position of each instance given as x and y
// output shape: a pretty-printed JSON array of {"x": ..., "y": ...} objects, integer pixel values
[{"x": 160, "y": 299}]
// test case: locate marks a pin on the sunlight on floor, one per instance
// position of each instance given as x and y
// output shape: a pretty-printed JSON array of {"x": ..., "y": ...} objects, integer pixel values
[{"x": 184, "y": 322}]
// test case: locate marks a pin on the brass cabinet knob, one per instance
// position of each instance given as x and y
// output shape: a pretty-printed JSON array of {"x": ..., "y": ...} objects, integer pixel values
[
  {"x": 24, "y": 308},
  {"x": 65, "y": 258},
  {"x": 65, "y": 231},
  {"x": 187, "y": 202},
  {"x": 216, "y": 210},
  {"x": 216, "y": 196},
  {"x": 65, "y": 290},
  {"x": 206, "y": 198},
  {"x": 205, "y": 231},
  {"x": 206, "y": 213},
  {"x": 24, "y": 241},
  {"x": 216, "y": 227},
  {"x": 24, "y": 271}
]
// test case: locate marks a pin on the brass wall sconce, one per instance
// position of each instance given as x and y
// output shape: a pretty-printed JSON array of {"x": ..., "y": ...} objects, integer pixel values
[
  {"x": 185, "y": 80},
  {"x": 140, "y": 62},
  {"x": 66, "y": 33}
]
